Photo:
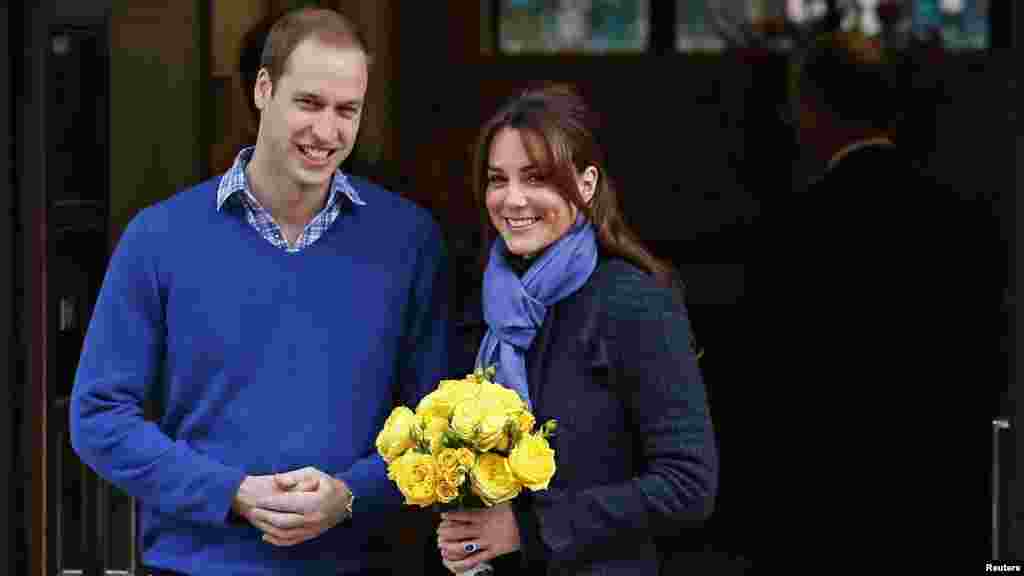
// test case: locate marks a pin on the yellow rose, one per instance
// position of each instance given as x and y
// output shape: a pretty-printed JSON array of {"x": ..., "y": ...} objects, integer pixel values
[
  {"x": 525, "y": 421},
  {"x": 449, "y": 468},
  {"x": 466, "y": 458},
  {"x": 396, "y": 436},
  {"x": 480, "y": 420},
  {"x": 532, "y": 461},
  {"x": 493, "y": 481},
  {"x": 460, "y": 389},
  {"x": 507, "y": 397},
  {"x": 433, "y": 431},
  {"x": 447, "y": 492},
  {"x": 437, "y": 404},
  {"x": 416, "y": 477},
  {"x": 441, "y": 402}
]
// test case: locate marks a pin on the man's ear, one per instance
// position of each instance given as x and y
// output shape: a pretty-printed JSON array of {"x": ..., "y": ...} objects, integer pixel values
[
  {"x": 587, "y": 182},
  {"x": 263, "y": 91}
]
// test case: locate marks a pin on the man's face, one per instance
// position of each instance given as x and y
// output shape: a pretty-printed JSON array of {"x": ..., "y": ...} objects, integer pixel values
[{"x": 310, "y": 119}]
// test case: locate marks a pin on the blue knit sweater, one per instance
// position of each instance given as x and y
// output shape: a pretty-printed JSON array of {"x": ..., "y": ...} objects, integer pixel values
[{"x": 262, "y": 361}]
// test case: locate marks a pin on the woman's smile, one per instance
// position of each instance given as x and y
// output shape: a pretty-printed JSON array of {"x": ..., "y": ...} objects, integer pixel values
[{"x": 517, "y": 224}]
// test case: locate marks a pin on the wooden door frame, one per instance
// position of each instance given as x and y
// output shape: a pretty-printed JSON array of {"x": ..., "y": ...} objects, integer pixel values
[
  {"x": 1015, "y": 398},
  {"x": 30, "y": 154},
  {"x": 1015, "y": 490},
  {"x": 8, "y": 353}
]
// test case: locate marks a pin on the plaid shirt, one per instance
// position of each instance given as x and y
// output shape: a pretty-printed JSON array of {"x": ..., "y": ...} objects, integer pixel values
[{"x": 234, "y": 187}]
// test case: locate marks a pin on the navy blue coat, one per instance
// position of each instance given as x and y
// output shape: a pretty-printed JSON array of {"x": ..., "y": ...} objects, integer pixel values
[{"x": 635, "y": 451}]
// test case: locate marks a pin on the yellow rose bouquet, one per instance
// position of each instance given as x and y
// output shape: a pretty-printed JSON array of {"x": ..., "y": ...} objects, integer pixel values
[{"x": 470, "y": 443}]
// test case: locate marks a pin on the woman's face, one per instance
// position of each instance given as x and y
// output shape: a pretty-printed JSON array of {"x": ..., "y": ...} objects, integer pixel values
[{"x": 524, "y": 208}]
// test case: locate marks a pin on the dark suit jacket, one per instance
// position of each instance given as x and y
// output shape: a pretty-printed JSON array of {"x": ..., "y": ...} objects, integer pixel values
[
  {"x": 870, "y": 311},
  {"x": 635, "y": 451}
]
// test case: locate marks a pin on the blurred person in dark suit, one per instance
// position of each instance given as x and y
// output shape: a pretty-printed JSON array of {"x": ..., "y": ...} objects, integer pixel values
[{"x": 871, "y": 300}]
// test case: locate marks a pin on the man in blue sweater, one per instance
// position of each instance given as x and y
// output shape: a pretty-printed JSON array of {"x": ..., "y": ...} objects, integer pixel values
[{"x": 275, "y": 314}]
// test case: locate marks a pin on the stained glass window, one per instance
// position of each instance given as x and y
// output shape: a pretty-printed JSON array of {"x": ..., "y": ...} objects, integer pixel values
[
  {"x": 606, "y": 26},
  {"x": 583, "y": 26},
  {"x": 695, "y": 20},
  {"x": 962, "y": 24}
]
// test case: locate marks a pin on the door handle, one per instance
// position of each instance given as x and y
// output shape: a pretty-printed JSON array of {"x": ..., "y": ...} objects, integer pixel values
[
  {"x": 66, "y": 314},
  {"x": 997, "y": 426}
]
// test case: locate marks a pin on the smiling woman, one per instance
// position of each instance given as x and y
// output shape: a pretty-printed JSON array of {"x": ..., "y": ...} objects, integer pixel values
[
  {"x": 544, "y": 144},
  {"x": 590, "y": 329},
  {"x": 523, "y": 204}
]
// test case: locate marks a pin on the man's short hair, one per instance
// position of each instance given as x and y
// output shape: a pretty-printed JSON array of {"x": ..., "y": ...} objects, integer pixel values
[
  {"x": 327, "y": 26},
  {"x": 852, "y": 76}
]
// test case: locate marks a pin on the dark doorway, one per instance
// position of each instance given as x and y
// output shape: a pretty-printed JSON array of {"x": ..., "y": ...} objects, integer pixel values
[{"x": 69, "y": 519}]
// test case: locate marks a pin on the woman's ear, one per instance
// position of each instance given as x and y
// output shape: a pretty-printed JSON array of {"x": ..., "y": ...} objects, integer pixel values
[{"x": 587, "y": 182}]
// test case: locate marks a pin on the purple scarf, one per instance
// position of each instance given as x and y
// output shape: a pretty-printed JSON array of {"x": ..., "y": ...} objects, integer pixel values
[{"x": 515, "y": 307}]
